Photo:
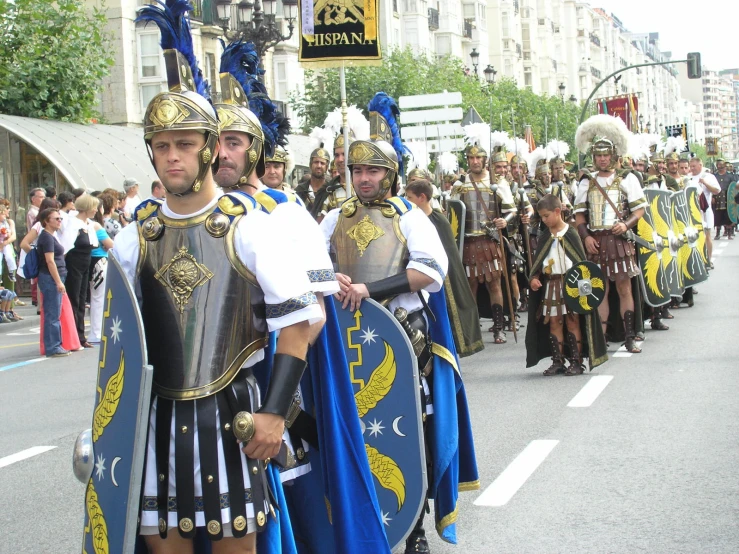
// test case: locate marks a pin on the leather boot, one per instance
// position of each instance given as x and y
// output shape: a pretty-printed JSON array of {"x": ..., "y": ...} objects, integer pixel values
[
  {"x": 576, "y": 365},
  {"x": 656, "y": 322},
  {"x": 498, "y": 324},
  {"x": 718, "y": 233},
  {"x": 416, "y": 541},
  {"x": 630, "y": 332},
  {"x": 666, "y": 313},
  {"x": 558, "y": 359}
]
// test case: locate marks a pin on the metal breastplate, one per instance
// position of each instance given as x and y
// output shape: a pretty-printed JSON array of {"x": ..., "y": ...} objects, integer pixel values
[
  {"x": 600, "y": 213},
  {"x": 203, "y": 311},
  {"x": 476, "y": 216},
  {"x": 368, "y": 244}
]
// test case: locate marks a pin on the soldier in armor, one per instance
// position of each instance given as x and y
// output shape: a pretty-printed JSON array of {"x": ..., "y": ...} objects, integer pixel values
[
  {"x": 385, "y": 250},
  {"x": 313, "y": 190},
  {"x": 336, "y": 189},
  {"x": 276, "y": 169},
  {"x": 490, "y": 207},
  {"x": 214, "y": 277},
  {"x": 720, "y": 204},
  {"x": 607, "y": 205}
]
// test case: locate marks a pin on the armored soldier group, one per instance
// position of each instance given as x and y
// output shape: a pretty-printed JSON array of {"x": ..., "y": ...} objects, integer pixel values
[{"x": 254, "y": 435}]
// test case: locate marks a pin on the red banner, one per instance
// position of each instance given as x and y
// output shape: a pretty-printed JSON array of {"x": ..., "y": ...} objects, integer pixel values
[{"x": 626, "y": 107}]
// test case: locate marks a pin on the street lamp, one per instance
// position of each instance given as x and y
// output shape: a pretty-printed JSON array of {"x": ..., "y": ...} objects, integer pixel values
[
  {"x": 562, "y": 92},
  {"x": 641, "y": 123},
  {"x": 573, "y": 98},
  {"x": 490, "y": 74},
  {"x": 475, "y": 57},
  {"x": 256, "y": 22},
  {"x": 649, "y": 124}
]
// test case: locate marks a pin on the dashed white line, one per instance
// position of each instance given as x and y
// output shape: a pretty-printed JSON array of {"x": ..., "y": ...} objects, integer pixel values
[
  {"x": 591, "y": 391},
  {"x": 24, "y": 454},
  {"x": 515, "y": 475}
]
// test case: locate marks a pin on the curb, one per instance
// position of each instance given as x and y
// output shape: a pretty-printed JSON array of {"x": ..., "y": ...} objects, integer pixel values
[{"x": 13, "y": 326}]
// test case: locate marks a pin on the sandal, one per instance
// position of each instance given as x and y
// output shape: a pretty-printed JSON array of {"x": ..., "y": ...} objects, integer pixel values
[
  {"x": 16, "y": 316},
  {"x": 631, "y": 348},
  {"x": 499, "y": 337}
]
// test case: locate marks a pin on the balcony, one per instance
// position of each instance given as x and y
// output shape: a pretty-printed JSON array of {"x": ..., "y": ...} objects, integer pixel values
[
  {"x": 467, "y": 32},
  {"x": 519, "y": 50},
  {"x": 554, "y": 65},
  {"x": 196, "y": 13},
  {"x": 433, "y": 19},
  {"x": 595, "y": 72},
  {"x": 594, "y": 39},
  {"x": 515, "y": 7}
]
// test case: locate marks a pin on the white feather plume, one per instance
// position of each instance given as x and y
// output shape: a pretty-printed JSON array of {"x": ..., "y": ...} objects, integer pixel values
[
  {"x": 478, "y": 134},
  {"x": 498, "y": 138},
  {"x": 675, "y": 144},
  {"x": 448, "y": 163},
  {"x": 420, "y": 155},
  {"x": 638, "y": 148},
  {"x": 557, "y": 149},
  {"x": 602, "y": 126},
  {"x": 357, "y": 123},
  {"x": 518, "y": 146},
  {"x": 535, "y": 157},
  {"x": 321, "y": 137}
]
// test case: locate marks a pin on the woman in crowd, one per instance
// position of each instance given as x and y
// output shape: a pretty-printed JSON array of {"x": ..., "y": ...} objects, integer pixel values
[
  {"x": 110, "y": 216},
  {"x": 98, "y": 269},
  {"x": 52, "y": 272}
]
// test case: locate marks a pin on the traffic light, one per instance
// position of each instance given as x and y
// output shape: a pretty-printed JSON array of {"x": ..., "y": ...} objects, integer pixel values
[{"x": 694, "y": 65}]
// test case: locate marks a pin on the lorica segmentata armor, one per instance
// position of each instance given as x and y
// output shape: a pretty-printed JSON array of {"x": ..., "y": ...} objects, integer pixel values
[{"x": 476, "y": 215}]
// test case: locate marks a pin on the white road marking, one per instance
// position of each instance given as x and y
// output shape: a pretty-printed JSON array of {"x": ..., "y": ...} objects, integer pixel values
[
  {"x": 515, "y": 475},
  {"x": 30, "y": 331},
  {"x": 24, "y": 454},
  {"x": 591, "y": 391}
]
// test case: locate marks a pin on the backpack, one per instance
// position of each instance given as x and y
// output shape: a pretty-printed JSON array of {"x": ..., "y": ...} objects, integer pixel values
[{"x": 30, "y": 265}]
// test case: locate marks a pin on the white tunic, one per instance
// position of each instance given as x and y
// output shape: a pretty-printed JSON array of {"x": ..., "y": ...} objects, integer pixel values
[{"x": 694, "y": 181}]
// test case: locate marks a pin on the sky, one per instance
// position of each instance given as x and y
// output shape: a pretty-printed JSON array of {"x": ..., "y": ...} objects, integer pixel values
[{"x": 707, "y": 26}]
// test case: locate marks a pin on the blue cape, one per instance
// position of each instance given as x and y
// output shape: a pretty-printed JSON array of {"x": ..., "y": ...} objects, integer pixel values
[{"x": 449, "y": 432}]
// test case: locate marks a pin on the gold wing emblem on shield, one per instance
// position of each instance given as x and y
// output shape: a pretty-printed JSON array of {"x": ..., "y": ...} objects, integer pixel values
[
  {"x": 574, "y": 292},
  {"x": 379, "y": 384},
  {"x": 108, "y": 404},
  {"x": 96, "y": 521},
  {"x": 387, "y": 472},
  {"x": 662, "y": 229},
  {"x": 454, "y": 221},
  {"x": 695, "y": 211},
  {"x": 651, "y": 267}
]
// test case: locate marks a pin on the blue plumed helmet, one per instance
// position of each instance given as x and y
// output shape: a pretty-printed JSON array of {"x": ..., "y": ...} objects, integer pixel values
[
  {"x": 385, "y": 148},
  {"x": 246, "y": 106},
  {"x": 186, "y": 104}
]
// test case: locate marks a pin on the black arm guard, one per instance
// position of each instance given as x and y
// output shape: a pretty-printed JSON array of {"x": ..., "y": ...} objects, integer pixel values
[
  {"x": 390, "y": 286},
  {"x": 583, "y": 231},
  {"x": 286, "y": 373}
]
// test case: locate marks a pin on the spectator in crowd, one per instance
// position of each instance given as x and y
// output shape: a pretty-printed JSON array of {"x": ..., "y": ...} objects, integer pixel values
[
  {"x": 6, "y": 306},
  {"x": 98, "y": 270},
  {"x": 110, "y": 216},
  {"x": 36, "y": 196},
  {"x": 7, "y": 238},
  {"x": 77, "y": 193},
  {"x": 50, "y": 192},
  {"x": 52, "y": 273},
  {"x": 79, "y": 238},
  {"x": 131, "y": 187},
  {"x": 157, "y": 190},
  {"x": 66, "y": 200}
]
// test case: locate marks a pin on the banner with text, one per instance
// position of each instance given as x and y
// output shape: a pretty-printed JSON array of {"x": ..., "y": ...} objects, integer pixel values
[
  {"x": 333, "y": 32},
  {"x": 626, "y": 107}
]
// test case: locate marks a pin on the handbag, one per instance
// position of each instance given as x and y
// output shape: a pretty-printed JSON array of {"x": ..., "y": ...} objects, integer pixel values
[{"x": 703, "y": 202}]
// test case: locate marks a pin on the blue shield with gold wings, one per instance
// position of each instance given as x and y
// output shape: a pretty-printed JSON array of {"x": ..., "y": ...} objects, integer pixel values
[
  {"x": 109, "y": 458},
  {"x": 384, "y": 373},
  {"x": 732, "y": 207},
  {"x": 654, "y": 229},
  {"x": 456, "y": 211}
]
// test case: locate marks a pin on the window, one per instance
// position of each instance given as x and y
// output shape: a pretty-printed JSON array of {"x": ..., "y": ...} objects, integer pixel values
[
  {"x": 281, "y": 81},
  {"x": 409, "y": 6},
  {"x": 210, "y": 70},
  {"x": 443, "y": 45},
  {"x": 505, "y": 25},
  {"x": 469, "y": 11},
  {"x": 508, "y": 68},
  {"x": 151, "y": 67}
]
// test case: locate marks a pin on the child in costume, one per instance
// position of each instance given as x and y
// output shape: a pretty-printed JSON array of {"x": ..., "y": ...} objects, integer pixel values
[{"x": 559, "y": 248}]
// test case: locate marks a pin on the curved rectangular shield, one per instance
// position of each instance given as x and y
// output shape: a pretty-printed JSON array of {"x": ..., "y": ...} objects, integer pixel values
[
  {"x": 693, "y": 265},
  {"x": 732, "y": 208},
  {"x": 676, "y": 241},
  {"x": 456, "y": 212},
  {"x": 653, "y": 229},
  {"x": 119, "y": 423},
  {"x": 384, "y": 375},
  {"x": 665, "y": 227}
]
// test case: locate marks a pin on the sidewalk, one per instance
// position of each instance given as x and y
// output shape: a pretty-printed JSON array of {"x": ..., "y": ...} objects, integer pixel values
[{"x": 27, "y": 312}]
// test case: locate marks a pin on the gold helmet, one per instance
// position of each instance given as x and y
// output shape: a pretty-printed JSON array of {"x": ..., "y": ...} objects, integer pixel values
[
  {"x": 321, "y": 153},
  {"x": 185, "y": 106},
  {"x": 384, "y": 149},
  {"x": 278, "y": 156},
  {"x": 419, "y": 173},
  {"x": 339, "y": 140}
]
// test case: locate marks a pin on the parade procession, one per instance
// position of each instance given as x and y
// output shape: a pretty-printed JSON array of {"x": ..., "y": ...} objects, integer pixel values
[{"x": 385, "y": 326}]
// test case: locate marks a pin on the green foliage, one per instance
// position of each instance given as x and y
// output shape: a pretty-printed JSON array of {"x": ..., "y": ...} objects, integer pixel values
[
  {"x": 53, "y": 57},
  {"x": 405, "y": 73},
  {"x": 700, "y": 151}
]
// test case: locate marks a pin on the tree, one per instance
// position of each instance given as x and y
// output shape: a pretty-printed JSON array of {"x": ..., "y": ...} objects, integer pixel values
[
  {"x": 53, "y": 57},
  {"x": 405, "y": 73}
]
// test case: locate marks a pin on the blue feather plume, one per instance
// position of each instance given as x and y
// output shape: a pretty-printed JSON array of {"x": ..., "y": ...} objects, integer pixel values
[
  {"x": 387, "y": 107},
  {"x": 241, "y": 60},
  {"x": 174, "y": 24}
]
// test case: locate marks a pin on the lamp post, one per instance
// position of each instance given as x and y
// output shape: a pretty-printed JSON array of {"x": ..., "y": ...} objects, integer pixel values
[
  {"x": 490, "y": 74},
  {"x": 641, "y": 123},
  {"x": 256, "y": 22},
  {"x": 562, "y": 92},
  {"x": 475, "y": 57}
]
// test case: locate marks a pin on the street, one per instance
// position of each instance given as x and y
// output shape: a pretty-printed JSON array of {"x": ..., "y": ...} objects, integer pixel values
[{"x": 637, "y": 456}]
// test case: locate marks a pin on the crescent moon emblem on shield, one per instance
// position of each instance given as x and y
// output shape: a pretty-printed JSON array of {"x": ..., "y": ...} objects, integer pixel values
[
  {"x": 395, "y": 426},
  {"x": 112, "y": 470}
]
